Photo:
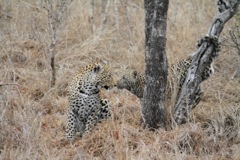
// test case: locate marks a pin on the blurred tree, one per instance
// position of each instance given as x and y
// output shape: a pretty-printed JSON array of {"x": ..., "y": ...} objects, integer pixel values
[{"x": 156, "y": 63}]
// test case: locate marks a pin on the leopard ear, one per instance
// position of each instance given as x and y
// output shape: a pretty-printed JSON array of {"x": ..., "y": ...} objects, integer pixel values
[
  {"x": 98, "y": 60},
  {"x": 134, "y": 73}
]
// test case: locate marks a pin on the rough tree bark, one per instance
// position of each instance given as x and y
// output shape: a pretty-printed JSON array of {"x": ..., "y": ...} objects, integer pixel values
[
  {"x": 205, "y": 55},
  {"x": 156, "y": 63}
]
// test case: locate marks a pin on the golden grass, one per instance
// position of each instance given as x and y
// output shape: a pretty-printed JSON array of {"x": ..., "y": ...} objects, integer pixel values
[{"x": 33, "y": 115}]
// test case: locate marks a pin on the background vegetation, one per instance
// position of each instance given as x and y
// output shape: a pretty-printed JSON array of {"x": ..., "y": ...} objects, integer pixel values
[{"x": 33, "y": 114}]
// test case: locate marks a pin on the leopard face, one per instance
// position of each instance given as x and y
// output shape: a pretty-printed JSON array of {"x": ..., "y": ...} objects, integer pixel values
[{"x": 131, "y": 80}]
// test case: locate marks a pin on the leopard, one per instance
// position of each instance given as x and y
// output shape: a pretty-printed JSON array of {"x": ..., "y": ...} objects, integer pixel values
[
  {"x": 178, "y": 74},
  {"x": 134, "y": 81},
  {"x": 86, "y": 107}
]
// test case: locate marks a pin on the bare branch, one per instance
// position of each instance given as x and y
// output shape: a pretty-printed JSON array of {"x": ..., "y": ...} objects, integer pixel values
[
  {"x": 124, "y": 3},
  {"x": 116, "y": 13},
  {"x": 91, "y": 15},
  {"x": 105, "y": 6},
  {"x": 7, "y": 84},
  {"x": 55, "y": 20}
]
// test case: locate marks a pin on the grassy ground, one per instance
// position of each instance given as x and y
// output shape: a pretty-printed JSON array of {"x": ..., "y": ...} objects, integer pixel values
[{"x": 33, "y": 115}]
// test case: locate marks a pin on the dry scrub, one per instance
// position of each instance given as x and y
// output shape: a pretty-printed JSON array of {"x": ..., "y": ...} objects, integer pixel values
[{"x": 33, "y": 115}]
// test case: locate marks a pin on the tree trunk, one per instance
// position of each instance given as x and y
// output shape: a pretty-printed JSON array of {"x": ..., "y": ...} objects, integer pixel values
[
  {"x": 205, "y": 55},
  {"x": 156, "y": 63}
]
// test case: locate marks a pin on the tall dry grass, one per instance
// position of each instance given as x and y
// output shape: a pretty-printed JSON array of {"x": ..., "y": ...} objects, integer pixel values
[{"x": 33, "y": 116}]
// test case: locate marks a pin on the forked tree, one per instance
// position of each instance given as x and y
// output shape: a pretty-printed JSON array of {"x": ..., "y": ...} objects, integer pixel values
[
  {"x": 156, "y": 62},
  {"x": 206, "y": 53}
]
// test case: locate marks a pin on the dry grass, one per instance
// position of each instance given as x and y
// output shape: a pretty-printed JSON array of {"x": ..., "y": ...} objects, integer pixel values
[{"x": 33, "y": 115}]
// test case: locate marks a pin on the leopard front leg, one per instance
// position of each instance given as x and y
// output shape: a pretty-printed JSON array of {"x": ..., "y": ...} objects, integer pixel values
[
  {"x": 104, "y": 112},
  {"x": 91, "y": 122},
  {"x": 97, "y": 116},
  {"x": 71, "y": 125}
]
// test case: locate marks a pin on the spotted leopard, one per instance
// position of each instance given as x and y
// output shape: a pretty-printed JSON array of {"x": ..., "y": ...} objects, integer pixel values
[
  {"x": 134, "y": 81},
  {"x": 86, "y": 108}
]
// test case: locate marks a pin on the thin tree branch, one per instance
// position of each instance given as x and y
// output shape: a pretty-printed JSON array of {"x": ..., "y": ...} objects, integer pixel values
[
  {"x": 105, "y": 5},
  {"x": 91, "y": 15},
  {"x": 55, "y": 19},
  {"x": 116, "y": 13}
]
